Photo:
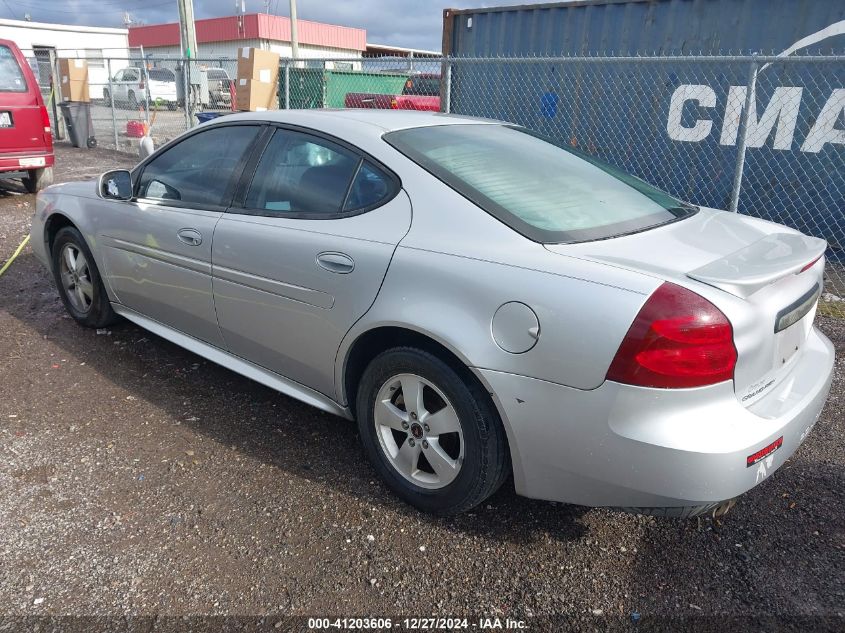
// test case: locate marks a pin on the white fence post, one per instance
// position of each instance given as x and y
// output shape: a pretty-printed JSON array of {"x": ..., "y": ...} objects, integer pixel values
[
  {"x": 447, "y": 91},
  {"x": 287, "y": 85},
  {"x": 111, "y": 103}
]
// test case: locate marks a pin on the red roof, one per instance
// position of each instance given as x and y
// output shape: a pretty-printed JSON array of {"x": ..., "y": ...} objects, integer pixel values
[{"x": 252, "y": 26}]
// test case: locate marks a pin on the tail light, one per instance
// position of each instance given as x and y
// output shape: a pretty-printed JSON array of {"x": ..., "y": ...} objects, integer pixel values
[
  {"x": 45, "y": 120},
  {"x": 810, "y": 265},
  {"x": 141, "y": 85},
  {"x": 678, "y": 340}
]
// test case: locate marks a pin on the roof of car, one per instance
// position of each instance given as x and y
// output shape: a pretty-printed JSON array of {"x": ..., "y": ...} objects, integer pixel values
[{"x": 379, "y": 120}]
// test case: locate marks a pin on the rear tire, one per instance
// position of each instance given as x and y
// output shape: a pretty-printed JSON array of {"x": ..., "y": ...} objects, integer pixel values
[
  {"x": 106, "y": 98},
  {"x": 38, "y": 179},
  {"x": 132, "y": 101},
  {"x": 445, "y": 468},
  {"x": 78, "y": 280}
]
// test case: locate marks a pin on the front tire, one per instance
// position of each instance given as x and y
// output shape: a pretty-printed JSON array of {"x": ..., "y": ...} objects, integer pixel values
[
  {"x": 431, "y": 433},
  {"x": 38, "y": 179},
  {"x": 78, "y": 280}
]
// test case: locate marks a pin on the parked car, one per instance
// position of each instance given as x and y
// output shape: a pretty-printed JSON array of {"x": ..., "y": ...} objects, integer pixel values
[
  {"x": 26, "y": 140},
  {"x": 220, "y": 88},
  {"x": 420, "y": 92},
  {"x": 131, "y": 88},
  {"x": 483, "y": 300}
]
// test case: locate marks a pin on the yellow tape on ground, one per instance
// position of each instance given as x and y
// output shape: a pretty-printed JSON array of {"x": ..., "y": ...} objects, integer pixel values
[{"x": 14, "y": 255}]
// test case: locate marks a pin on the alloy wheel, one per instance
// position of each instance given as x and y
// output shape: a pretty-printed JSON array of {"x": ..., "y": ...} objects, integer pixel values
[
  {"x": 76, "y": 278},
  {"x": 419, "y": 431}
]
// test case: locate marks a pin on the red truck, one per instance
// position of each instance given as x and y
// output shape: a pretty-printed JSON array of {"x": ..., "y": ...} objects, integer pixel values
[
  {"x": 420, "y": 92},
  {"x": 26, "y": 141}
]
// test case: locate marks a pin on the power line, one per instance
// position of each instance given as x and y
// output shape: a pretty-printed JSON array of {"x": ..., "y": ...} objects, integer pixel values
[
  {"x": 48, "y": 4},
  {"x": 10, "y": 9},
  {"x": 92, "y": 11}
]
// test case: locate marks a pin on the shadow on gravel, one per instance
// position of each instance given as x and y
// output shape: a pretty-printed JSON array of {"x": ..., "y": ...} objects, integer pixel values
[
  {"x": 787, "y": 533},
  {"x": 238, "y": 412},
  {"x": 11, "y": 187}
]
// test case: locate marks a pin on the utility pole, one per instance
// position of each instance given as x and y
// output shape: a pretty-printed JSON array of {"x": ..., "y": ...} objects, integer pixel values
[
  {"x": 188, "y": 41},
  {"x": 294, "y": 39},
  {"x": 187, "y": 28}
]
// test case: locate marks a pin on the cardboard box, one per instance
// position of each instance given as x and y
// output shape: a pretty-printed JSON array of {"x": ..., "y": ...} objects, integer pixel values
[
  {"x": 254, "y": 63},
  {"x": 74, "y": 89},
  {"x": 73, "y": 69},
  {"x": 73, "y": 79},
  {"x": 256, "y": 96}
]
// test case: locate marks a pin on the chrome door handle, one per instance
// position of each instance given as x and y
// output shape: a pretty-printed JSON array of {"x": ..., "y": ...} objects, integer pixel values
[
  {"x": 191, "y": 237},
  {"x": 336, "y": 262}
]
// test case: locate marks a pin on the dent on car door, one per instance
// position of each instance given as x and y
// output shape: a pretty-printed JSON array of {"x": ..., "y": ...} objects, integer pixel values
[
  {"x": 304, "y": 257},
  {"x": 157, "y": 248}
]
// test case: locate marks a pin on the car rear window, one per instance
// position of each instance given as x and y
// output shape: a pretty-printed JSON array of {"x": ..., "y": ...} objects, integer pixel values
[
  {"x": 161, "y": 74},
  {"x": 11, "y": 75},
  {"x": 422, "y": 86},
  {"x": 540, "y": 188}
]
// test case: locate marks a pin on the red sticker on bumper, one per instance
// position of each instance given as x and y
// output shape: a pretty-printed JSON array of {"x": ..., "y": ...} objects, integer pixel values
[{"x": 763, "y": 452}]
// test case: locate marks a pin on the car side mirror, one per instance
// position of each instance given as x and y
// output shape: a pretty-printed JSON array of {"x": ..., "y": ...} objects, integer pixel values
[{"x": 116, "y": 185}]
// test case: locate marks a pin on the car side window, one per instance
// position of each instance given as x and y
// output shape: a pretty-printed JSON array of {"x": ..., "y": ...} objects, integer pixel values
[
  {"x": 130, "y": 75},
  {"x": 370, "y": 187},
  {"x": 299, "y": 174},
  {"x": 199, "y": 169}
]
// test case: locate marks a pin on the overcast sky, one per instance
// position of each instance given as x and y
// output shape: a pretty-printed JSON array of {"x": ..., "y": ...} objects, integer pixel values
[{"x": 411, "y": 23}]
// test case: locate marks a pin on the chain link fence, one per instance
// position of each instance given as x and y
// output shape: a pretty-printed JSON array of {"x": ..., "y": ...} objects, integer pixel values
[
  {"x": 757, "y": 134},
  {"x": 760, "y": 135}
]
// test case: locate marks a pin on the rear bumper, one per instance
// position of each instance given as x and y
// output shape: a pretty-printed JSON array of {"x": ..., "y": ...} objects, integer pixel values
[
  {"x": 653, "y": 449},
  {"x": 22, "y": 161}
]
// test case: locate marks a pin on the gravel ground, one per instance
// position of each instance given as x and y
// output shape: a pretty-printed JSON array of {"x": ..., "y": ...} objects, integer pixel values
[{"x": 137, "y": 479}]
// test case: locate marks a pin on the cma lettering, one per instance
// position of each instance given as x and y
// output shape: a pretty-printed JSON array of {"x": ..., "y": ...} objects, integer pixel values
[{"x": 780, "y": 117}]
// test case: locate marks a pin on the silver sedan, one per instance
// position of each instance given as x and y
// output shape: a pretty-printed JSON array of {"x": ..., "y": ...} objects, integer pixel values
[{"x": 484, "y": 301}]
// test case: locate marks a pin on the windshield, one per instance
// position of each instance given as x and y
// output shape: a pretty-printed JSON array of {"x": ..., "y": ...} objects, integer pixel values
[
  {"x": 544, "y": 190},
  {"x": 11, "y": 76},
  {"x": 422, "y": 85},
  {"x": 160, "y": 74}
]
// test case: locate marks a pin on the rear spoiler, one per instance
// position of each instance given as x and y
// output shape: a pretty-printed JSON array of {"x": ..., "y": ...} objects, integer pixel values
[{"x": 754, "y": 267}]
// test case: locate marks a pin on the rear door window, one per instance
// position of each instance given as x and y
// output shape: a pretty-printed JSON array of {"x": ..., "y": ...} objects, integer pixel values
[
  {"x": 301, "y": 175},
  {"x": 11, "y": 75}
]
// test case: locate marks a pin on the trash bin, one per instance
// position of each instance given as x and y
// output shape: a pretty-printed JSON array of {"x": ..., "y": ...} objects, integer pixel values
[
  {"x": 80, "y": 128},
  {"x": 204, "y": 117}
]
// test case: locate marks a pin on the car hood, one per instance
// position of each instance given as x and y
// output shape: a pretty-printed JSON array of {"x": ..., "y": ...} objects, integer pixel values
[
  {"x": 733, "y": 252},
  {"x": 79, "y": 188}
]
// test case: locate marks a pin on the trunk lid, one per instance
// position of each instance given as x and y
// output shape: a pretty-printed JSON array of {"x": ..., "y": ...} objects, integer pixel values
[
  {"x": 768, "y": 291},
  {"x": 761, "y": 263}
]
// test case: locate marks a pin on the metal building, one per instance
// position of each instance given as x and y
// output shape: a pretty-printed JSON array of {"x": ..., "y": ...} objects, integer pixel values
[{"x": 220, "y": 38}]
